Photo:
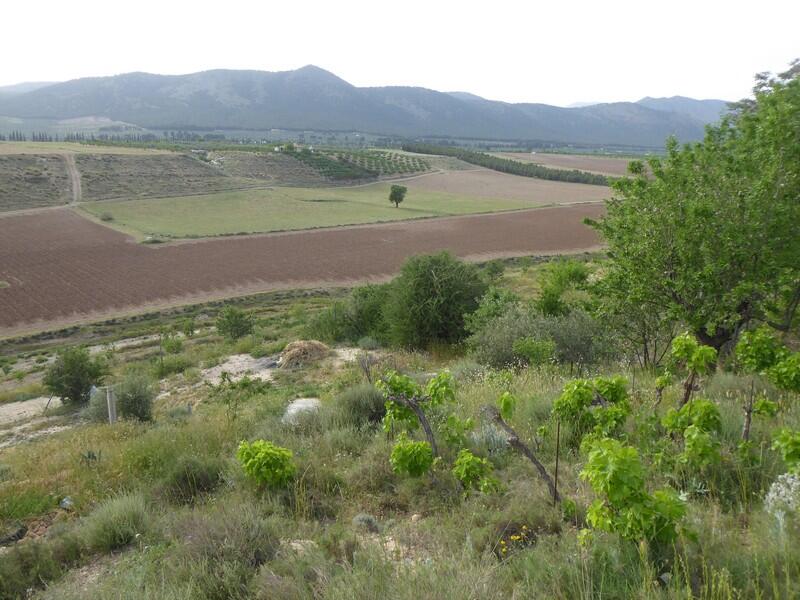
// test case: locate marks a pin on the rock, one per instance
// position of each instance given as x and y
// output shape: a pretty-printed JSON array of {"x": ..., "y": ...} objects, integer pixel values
[
  {"x": 12, "y": 534},
  {"x": 367, "y": 522},
  {"x": 415, "y": 517},
  {"x": 299, "y": 407},
  {"x": 66, "y": 503}
]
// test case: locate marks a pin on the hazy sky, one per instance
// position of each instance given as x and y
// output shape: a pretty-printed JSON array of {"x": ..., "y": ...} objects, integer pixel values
[{"x": 556, "y": 52}]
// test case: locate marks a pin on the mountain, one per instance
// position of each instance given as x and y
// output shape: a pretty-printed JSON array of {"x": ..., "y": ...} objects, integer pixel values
[
  {"x": 312, "y": 98},
  {"x": 21, "y": 88},
  {"x": 707, "y": 111}
]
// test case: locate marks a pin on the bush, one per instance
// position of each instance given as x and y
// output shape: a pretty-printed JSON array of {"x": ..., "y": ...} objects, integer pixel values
[
  {"x": 234, "y": 323},
  {"x": 519, "y": 335},
  {"x": 411, "y": 458},
  {"x": 359, "y": 405},
  {"x": 73, "y": 374},
  {"x": 135, "y": 395},
  {"x": 266, "y": 463},
  {"x": 115, "y": 523},
  {"x": 361, "y": 315},
  {"x": 429, "y": 299},
  {"x": 171, "y": 364},
  {"x": 190, "y": 477}
]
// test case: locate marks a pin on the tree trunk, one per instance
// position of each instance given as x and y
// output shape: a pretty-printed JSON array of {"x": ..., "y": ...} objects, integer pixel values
[
  {"x": 519, "y": 446},
  {"x": 748, "y": 412},
  {"x": 423, "y": 420}
]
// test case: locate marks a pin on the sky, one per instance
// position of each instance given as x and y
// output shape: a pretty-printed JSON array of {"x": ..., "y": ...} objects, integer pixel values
[{"x": 557, "y": 52}]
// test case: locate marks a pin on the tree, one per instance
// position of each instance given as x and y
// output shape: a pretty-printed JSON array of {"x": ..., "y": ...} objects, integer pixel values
[
  {"x": 397, "y": 194},
  {"x": 705, "y": 235},
  {"x": 234, "y": 323},
  {"x": 73, "y": 374},
  {"x": 429, "y": 299}
]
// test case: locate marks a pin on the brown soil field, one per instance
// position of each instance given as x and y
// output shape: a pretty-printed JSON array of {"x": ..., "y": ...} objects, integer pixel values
[
  {"x": 64, "y": 269},
  {"x": 604, "y": 165},
  {"x": 484, "y": 183}
]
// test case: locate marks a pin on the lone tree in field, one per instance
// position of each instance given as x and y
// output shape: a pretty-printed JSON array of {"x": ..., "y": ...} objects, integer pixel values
[
  {"x": 708, "y": 235},
  {"x": 73, "y": 374},
  {"x": 398, "y": 194}
]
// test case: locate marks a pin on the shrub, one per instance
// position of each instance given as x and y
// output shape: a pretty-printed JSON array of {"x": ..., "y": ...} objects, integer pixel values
[
  {"x": 360, "y": 404},
  {"x": 172, "y": 363},
  {"x": 429, "y": 299},
  {"x": 412, "y": 458},
  {"x": 616, "y": 473},
  {"x": 115, "y": 523},
  {"x": 474, "y": 472},
  {"x": 234, "y": 323},
  {"x": 25, "y": 567},
  {"x": 266, "y": 463},
  {"x": 135, "y": 395},
  {"x": 535, "y": 352},
  {"x": 190, "y": 477},
  {"x": 494, "y": 303},
  {"x": 73, "y": 374}
]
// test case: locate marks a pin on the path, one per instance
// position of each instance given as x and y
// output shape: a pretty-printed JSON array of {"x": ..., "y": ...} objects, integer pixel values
[{"x": 74, "y": 177}]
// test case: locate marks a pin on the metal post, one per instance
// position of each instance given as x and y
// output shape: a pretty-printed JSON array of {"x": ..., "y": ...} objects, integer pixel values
[
  {"x": 558, "y": 447},
  {"x": 112, "y": 406}
]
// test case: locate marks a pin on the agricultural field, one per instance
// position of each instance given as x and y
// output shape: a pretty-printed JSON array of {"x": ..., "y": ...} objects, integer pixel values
[
  {"x": 484, "y": 183},
  {"x": 105, "y": 176},
  {"x": 603, "y": 165},
  {"x": 61, "y": 267},
  {"x": 286, "y": 208},
  {"x": 33, "y": 181},
  {"x": 384, "y": 163},
  {"x": 270, "y": 168}
]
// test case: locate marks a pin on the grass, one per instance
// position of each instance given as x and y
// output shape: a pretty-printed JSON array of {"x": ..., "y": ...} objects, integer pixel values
[
  {"x": 207, "y": 532},
  {"x": 283, "y": 209}
]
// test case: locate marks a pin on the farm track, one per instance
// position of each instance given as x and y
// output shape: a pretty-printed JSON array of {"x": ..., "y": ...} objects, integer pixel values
[
  {"x": 65, "y": 269},
  {"x": 74, "y": 177}
]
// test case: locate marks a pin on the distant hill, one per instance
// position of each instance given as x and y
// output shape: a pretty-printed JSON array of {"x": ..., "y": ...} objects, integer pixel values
[
  {"x": 706, "y": 111},
  {"x": 21, "y": 88},
  {"x": 312, "y": 98}
]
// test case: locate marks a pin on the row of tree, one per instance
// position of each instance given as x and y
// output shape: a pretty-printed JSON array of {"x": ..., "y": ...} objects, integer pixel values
[{"x": 507, "y": 165}]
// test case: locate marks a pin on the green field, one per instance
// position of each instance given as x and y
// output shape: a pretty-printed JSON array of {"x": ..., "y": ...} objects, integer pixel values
[{"x": 282, "y": 209}]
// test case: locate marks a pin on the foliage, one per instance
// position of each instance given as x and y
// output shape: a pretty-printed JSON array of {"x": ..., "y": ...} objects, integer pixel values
[
  {"x": 506, "y": 404},
  {"x": 234, "y": 323},
  {"x": 599, "y": 404},
  {"x": 758, "y": 350},
  {"x": 266, "y": 463},
  {"x": 507, "y": 165},
  {"x": 787, "y": 442},
  {"x": 786, "y": 373},
  {"x": 394, "y": 385},
  {"x": 616, "y": 473},
  {"x": 696, "y": 357},
  {"x": 73, "y": 374},
  {"x": 474, "y": 472},
  {"x": 704, "y": 234},
  {"x": 397, "y": 194},
  {"x": 454, "y": 430},
  {"x": 135, "y": 395},
  {"x": 535, "y": 352},
  {"x": 556, "y": 279},
  {"x": 429, "y": 299},
  {"x": 699, "y": 412},
  {"x": 410, "y": 457},
  {"x": 494, "y": 303}
]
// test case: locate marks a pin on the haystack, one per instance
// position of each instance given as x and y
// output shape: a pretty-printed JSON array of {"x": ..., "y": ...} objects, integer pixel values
[{"x": 302, "y": 352}]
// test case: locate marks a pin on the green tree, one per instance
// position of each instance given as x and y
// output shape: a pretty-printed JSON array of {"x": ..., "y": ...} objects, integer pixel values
[
  {"x": 704, "y": 235},
  {"x": 234, "y": 323},
  {"x": 73, "y": 374},
  {"x": 429, "y": 299},
  {"x": 397, "y": 194}
]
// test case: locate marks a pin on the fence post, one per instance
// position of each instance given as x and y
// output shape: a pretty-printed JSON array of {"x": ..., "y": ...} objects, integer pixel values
[{"x": 111, "y": 401}]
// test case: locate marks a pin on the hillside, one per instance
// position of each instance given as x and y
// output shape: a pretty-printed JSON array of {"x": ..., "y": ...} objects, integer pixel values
[{"x": 312, "y": 98}]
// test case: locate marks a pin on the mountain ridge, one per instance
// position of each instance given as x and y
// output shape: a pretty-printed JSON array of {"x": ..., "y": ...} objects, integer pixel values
[{"x": 316, "y": 99}]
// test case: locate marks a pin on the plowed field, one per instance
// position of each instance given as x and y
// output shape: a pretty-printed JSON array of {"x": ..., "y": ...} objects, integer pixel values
[{"x": 59, "y": 268}]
